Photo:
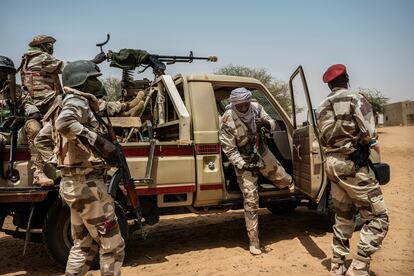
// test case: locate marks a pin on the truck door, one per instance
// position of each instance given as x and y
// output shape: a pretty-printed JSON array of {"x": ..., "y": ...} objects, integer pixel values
[{"x": 308, "y": 171}]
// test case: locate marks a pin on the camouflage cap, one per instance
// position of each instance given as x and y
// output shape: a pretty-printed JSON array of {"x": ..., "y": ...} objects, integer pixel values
[{"x": 39, "y": 39}]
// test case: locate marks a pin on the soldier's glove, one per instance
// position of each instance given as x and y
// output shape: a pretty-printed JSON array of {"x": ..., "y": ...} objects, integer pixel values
[
  {"x": 260, "y": 122},
  {"x": 17, "y": 122},
  {"x": 253, "y": 167},
  {"x": 5, "y": 125},
  {"x": 99, "y": 58},
  {"x": 35, "y": 116},
  {"x": 105, "y": 147}
]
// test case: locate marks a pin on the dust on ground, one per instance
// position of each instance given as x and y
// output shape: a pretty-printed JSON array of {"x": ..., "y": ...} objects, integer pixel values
[{"x": 217, "y": 244}]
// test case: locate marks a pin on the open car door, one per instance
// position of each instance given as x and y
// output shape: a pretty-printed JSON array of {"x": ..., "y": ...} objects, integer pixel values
[{"x": 308, "y": 171}]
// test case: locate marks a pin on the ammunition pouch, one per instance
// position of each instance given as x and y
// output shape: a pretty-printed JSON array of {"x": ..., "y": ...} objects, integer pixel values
[{"x": 382, "y": 172}]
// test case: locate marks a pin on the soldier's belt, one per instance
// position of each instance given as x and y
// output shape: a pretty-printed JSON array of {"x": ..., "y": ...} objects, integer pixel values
[{"x": 66, "y": 171}]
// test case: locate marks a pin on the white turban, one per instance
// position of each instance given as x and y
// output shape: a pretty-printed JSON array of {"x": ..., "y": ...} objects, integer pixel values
[{"x": 242, "y": 95}]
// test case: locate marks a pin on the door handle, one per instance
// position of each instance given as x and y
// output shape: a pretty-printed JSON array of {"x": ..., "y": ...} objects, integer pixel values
[{"x": 297, "y": 151}]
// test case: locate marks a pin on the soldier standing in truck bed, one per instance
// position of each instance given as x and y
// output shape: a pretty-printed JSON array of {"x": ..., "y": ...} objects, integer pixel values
[
  {"x": 345, "y": 119},
  {"x": 238, "y": 129},
  {"x": 40, "y": 77}
]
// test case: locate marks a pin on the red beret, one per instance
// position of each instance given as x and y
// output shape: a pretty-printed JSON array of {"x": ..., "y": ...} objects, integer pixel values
[{"x": 333, "y": 72}]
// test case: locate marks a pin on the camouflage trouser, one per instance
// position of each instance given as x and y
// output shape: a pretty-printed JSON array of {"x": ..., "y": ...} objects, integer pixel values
[
  {"x": 44, "y": 143},
  {"x": 248, "y": 185},
  {"x": 351, "y": 191},
  {"x": 94, "y": 223},
  {"x": 32, "y": 128}
]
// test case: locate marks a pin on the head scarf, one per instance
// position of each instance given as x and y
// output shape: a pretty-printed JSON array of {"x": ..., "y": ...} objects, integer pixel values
[{"x": 242, "y": 95}]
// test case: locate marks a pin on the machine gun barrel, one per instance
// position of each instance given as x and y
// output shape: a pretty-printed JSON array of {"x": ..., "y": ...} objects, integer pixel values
[{"x": 189, "y": 58}]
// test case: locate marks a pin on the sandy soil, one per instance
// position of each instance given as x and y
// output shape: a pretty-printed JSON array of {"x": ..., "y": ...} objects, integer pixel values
[{"x": 299, "y": 243}]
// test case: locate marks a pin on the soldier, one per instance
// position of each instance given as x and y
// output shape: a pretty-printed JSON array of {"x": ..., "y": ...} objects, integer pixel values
[
  {"x": 238, "y": 129},
  {"x": 24, "y": 102},
  {"x": 75, "y": 130},
  {"x": 6, "y": 68},
  {"x": 40, "y": 77},
  {"x": 346, "y": 120}
]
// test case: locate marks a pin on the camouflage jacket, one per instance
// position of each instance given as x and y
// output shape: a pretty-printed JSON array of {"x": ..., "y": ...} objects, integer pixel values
[
  {"x": 345, "y": 118},
  {"x": 40, "y": 75},
  {"x": 236, "y": 139},
  {"x": 74, "y": 130}
]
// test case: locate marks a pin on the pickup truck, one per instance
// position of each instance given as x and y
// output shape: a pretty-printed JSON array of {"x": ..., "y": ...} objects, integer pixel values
[{"x": 187, "y": 170}]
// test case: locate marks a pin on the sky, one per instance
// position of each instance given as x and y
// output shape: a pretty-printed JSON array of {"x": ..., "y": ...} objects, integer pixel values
[{"x": 374, "y": 39}]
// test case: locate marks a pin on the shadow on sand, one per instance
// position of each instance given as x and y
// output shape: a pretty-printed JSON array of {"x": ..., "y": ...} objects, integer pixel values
[{"x": 180, "y": 235}]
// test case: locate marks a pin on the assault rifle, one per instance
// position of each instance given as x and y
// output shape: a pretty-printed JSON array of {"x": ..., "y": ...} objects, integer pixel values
[{"x": 122, "y": 175}]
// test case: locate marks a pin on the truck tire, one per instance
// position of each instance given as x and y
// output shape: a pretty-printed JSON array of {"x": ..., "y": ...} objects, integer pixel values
[{"x": 57, "y": 236}]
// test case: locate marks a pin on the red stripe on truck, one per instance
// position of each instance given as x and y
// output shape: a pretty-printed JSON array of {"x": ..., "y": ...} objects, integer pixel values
[
  {"x": 24, "y": 155},
  {"x": 207, "y": 187},
  {"x": 160, "y": 151},
  {"x": 165, "y": 190},
  {"x": 201, "y": 149},
  {"x": 20, "y": 155}
]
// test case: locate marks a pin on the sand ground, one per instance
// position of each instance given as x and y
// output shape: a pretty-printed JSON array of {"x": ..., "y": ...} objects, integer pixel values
[{"x": 299, "y": 243}]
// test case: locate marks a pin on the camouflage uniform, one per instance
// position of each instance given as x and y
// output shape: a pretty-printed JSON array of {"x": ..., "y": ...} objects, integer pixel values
[
  {"x": 345, "y": 118},
  {"x": 238, "y": 142},
  {"x": 83, "y": 189},
  {"x": 40, "y": 77}
]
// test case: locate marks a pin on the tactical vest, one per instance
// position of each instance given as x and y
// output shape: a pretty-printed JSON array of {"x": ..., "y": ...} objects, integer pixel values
[
  {"x": 246, "y": 145},
  {"x": 72, "y": 153},
  {"x": 35, "y": 79}
]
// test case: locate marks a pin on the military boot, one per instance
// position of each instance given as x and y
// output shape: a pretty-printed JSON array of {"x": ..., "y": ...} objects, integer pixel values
[
  {"x": 40, "y": 179},
  {"x": 139, "y": 97},
  {"x": 359, "y": 266},
  {"x": 254, "y": 248},
  {"x": 252, "y": 227},
  {"x": 337, "y": 266}
]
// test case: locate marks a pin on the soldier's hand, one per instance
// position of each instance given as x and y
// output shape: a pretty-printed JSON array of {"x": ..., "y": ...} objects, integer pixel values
[
  {"x": 377, "y": 148},
  {"x": 106, "y": 147},
  {"x": 260, "y": 122},
  {"x": 99, "y": 58}
]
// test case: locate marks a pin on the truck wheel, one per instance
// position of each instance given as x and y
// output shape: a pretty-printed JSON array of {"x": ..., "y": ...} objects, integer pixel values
[{"x": 57, "y": 234}]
